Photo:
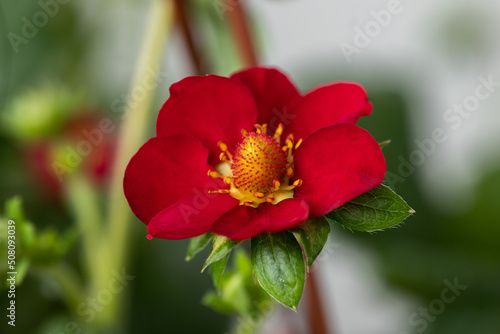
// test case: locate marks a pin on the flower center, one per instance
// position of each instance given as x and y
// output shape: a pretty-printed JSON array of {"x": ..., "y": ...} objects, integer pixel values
[
  {"x": 260, "y": 169},
  {"x": 258, "y": 161}
]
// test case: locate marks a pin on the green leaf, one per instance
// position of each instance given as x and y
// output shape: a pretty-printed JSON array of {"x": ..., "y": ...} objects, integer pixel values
[
  {"x": 312, "y": 234},
  {"x": 242, "y": 263},
  {"x": 22, "y": 268},
  {"x": 217, "y": 269},
  {"x": 197, "y": 244},
  {"x": 374, "y": 210},
  {"x": 14, "y": 210},
  {"x": 217, "y": 303},
  {"x": 221, "y": 246},
  {"x": 278, "y": 264}
]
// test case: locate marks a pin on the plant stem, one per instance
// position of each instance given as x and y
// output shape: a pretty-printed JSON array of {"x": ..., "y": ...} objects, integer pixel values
[
  {"x": 239, "y": 27},
  {"x": 83, "y": 200},
  {"x": 113, "y": 246},
  {"x": 317, "y": 320},
  {"x": 133, "y": 128},
  {"x": 185, "y": 25}
]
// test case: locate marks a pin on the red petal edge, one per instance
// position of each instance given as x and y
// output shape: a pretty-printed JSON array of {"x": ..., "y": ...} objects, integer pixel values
[
  {"x": 328, "y": 105},
  {"x": 272, "y": 90},
  {"x": 337, "y": 164},
  {"x": 191, "y": 216},
  {"x": 163, "y": 171},
  {"x": 244, "y": 222}
]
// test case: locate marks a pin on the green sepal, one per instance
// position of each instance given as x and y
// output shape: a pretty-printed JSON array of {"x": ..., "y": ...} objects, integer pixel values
[
  {"x": 221, "y": 246},
  {"x": 374, "y": 210},
  {"x": 312, "y": 234},
  {"x": 384, "y": 143},
  {"x": 197, "y": 244},
  {"x": 217, "y": 269},
  {"x": 278, "y": 264}
]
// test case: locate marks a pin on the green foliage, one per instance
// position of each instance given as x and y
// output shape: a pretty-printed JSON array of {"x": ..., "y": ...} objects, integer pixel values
[
  {"x": 197, "y": 244},
  {"x": 39, "y": 112},
  {"x": 312, "y": 234},
  {"x": 376, "y": 209},
  {"x": 277, "y": 259},
  {"x": 278, "y": 264},
  {"x": 238, "y": 292},
  {"x": 221, "y": 246},
  {"x": 41, "y": 248},
  {"x": 217, "y": 269}
]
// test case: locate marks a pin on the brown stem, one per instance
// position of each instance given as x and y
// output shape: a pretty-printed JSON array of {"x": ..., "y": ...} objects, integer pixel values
[
  {"x": 183, "y": 21},
  {"x": 317, "y": 320},
  {"x": 241, "y": 31}
]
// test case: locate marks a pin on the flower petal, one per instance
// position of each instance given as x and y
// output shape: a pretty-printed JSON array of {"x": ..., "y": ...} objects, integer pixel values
[
  {"x": 337, "y": 164},
  {"x": 164, "y": 170},
  {"x": 324, "y": 106},
  {"x": 272, "y": 91},
  {"x": 211, "y": 108},
  {"x": 191, "y": 216},
  {"x": 245, "y": 222}
]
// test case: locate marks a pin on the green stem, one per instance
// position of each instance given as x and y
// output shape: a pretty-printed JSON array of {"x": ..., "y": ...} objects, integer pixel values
[
  {"x": 112, "y": 250},
  {"x": 84, "y": 202},
  {"x": 133, "y": 129}
]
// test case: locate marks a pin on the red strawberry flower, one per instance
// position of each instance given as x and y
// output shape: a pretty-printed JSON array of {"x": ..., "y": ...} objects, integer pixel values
[{"x": 249, "y": 154}]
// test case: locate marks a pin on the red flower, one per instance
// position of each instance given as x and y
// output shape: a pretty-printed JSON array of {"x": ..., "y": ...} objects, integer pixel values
[{"x": 208, "y": 170}]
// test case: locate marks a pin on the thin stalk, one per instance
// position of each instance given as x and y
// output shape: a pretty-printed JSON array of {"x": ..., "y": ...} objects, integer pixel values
[
  {"x": 317, "y": 322},
  {"x": 182, "y": 15},
  {"x": 133, "y": 128},
  {"x": 242, "y": 35},
  {"x": 83, "y": 200},
  {"x": 113, "y": 246}
]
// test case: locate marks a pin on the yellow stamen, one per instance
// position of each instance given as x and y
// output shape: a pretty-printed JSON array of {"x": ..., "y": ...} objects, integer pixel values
[
  {"x": 223, "y": 147},
  {"x": 220, "y": 191},
  {"x": 278, "y": 132},
  {"x": 213, "y": 174},
  {"x": 261, "y": 128},
  {"x": 298, "y": 143}
]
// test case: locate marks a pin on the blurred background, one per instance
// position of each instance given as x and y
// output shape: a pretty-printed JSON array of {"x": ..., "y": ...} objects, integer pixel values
[{"x": 68, "y": 68}]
